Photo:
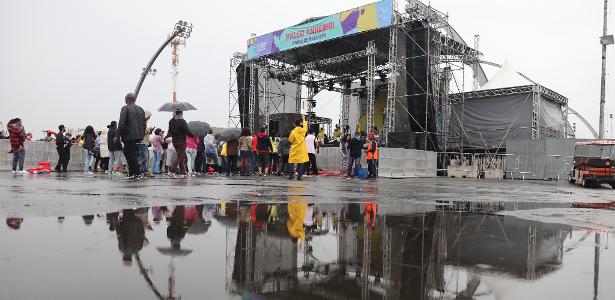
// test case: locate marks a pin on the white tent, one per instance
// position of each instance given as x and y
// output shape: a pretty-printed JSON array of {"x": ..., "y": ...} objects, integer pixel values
[{"x": 507, "y": 76}]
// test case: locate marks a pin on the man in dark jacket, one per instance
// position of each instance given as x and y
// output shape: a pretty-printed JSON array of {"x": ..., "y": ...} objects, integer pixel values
[
  {"x": 130, "y": 235},
  {"x": 178, "y": 129},
  {"x": 263, "y": 150},
  {"x": 131, "y": 130},
  {"x": 354, "y": 157},
  {"x": 63, "y": 148}
]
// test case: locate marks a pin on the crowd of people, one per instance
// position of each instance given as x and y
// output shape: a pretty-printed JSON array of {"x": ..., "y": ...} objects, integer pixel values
[{"x": 182, "y": 153}]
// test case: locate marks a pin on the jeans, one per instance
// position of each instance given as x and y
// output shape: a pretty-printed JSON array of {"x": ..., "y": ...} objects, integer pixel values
[
  {"x": 291, "y": 171},
  {"x": 87, "y": 160},
  {"x": 18, "y": 158},
  {"x": 190, "y": 156},
  {"x": 115, "y": 160},
  {"x": 143, "y": 156},
  {"x": 157, "y": 158},
  {"x": 371, "y": 168},
  {"x": 180, "y": 159},
  {"x": 356, "y": 160},
  {"x": 130, "y": 152}
]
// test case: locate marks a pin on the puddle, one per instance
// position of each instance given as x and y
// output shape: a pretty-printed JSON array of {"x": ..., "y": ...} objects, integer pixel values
[{"x": 350, "y": 251}]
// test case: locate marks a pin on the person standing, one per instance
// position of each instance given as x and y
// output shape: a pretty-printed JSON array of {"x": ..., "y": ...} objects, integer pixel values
[
  {"x": 263, "y": 150},
  {"x": 17, "y": 137},
  {"x": 62, "y": 150},
  {"x": 312, "y": 145},
  {"x": 131, "y": 130},
  {"x": 275, "y": 154},
  {"x": 192, "y": 144},
  {"x": 178, "y": 129},
  {"x": 170, "y": 155},
  {"x": 97, "y": 157},
  {"x": 284, "y": 150},
  {"x": 143, "y": 147},
  {"x": 232, "y": 150},
  {"x": 89, "y": 143},
  {"x": 115, "y": 148},
  {"x": 354, "y": 156},
  {"x": 245, "y": 151},
  {"x": 371, "y": 156},
  {"x": 298, "y": 151},
  {"x": 344, "y": 143},
  {"x": 157, "y": 142},
  {"x": 104, "y": 152},
  {"x": 211, "y": 151}
]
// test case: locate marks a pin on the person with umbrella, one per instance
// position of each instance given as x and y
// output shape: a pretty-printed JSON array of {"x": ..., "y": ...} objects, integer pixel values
[
  {"x": 178, "y": 129},
  {"x": 131, "y": 130}
]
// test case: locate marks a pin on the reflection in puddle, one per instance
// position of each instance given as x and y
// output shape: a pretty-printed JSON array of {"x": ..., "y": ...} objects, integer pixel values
[{"x": 298, "y": 250}]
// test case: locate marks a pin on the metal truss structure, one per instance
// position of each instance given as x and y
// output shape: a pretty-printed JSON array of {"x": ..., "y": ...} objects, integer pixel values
[
  {"x": 234, "y": 115},
  {"x": 447, "y": 56},
  {"x": 537, "y": 92}
]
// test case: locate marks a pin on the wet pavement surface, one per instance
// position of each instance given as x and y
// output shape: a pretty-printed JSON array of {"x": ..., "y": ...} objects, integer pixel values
[{"x": 75, "y": 237}]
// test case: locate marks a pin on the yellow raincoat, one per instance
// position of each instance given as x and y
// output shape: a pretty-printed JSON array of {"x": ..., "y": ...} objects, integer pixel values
[
  {"x": 296, "y": 213},
  {"x": 298, "y": 151}
]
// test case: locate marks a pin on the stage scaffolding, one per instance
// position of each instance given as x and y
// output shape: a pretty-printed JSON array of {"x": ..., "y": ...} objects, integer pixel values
[{"x": 447, "y": 57}]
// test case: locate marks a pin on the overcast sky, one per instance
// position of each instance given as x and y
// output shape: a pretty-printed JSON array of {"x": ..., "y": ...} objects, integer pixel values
[{"x": 72, "y": 61}]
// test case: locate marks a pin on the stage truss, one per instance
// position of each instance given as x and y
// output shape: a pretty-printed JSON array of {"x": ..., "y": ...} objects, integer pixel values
[{"x": 448, "y": 57}]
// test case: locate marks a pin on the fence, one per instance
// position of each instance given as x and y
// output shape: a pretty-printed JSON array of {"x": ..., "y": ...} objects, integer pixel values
[
  {"x": 393, "y": 162},
  {"x": 39, "y": 151}
]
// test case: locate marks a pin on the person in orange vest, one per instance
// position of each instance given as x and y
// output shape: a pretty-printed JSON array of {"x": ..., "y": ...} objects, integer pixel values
[{"x": 372, "y": 156}]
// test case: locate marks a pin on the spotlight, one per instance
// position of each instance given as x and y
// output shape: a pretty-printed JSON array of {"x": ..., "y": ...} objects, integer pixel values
[
  {"x": 363, "y": 81},
  {"x": 330, "y": 87},
  {"x": 383, "y": 76},
  {"x": 347, "y": 84}
]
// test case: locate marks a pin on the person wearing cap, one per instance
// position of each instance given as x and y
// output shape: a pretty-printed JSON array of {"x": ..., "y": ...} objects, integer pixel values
[
  {"x": 63, "y": 150},
  {"x": 371, "y": 156},
  {"x": 131, "y": 129}
]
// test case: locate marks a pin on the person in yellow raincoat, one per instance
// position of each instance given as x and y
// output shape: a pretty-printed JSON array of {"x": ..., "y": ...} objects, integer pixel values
[
  {"x": 298, "y": 151},
  {"x": 297, "y": 206}
]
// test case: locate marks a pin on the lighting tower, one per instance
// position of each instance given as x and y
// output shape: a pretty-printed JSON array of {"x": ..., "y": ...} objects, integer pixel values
[
  {"x": 178, "y": 41},
  {"x": 605, "y": 40},
  {"x": 183, "y": 30}
]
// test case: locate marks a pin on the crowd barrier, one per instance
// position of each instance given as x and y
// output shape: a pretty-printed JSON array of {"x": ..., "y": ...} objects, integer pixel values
[
  {"x": 37, "y": 151},
  {"x": 393, "y": 162}
]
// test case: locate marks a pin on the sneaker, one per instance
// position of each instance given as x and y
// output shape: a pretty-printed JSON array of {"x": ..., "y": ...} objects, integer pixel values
[
  {"x": 90, "y": 173},
  {"x": 14, "y": 172}
]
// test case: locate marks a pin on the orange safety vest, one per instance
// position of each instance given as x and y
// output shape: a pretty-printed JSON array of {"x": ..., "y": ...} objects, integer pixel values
[{"x": 372, "y": 155}]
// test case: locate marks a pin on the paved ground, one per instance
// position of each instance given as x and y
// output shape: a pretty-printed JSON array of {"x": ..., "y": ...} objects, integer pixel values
[{"x": 76, "y": 194}]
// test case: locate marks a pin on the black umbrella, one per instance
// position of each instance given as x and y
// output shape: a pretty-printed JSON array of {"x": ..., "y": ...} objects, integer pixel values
[
  {"x": 198, "y": 127},
  {"x": 177, "y": 106},
  {"x": 229, "y": 134}
]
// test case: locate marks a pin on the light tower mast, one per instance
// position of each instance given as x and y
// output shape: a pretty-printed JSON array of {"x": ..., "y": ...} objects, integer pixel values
[{"x": 177, "y": 41}]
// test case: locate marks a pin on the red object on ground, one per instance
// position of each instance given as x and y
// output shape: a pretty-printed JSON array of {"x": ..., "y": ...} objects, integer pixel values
[
  {"x": 43, "y": 167},
  {"x": 607, "y": 205},
  {"x": 210, "y": 170}
]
